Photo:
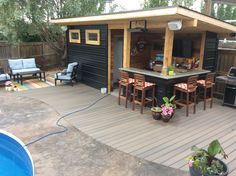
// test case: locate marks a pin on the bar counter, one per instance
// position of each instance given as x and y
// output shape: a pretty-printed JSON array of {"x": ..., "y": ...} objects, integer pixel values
[
  {"x": 159, "y": 75},
  {"x": 164, "y": 84}
]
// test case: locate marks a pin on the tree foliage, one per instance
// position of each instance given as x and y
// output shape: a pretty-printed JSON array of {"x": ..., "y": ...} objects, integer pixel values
[
  {"x": 155, "y": 3},
  {"x": 224, "y": 12},
  {"x": 159, "y": 3},
  {"x": 220, "y": 11},
  {"x": 28, "y": 20}
]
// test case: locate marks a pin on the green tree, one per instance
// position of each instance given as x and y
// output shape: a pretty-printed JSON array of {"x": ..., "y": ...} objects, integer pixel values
[
  {"x": 185, "y": 3},
  {"x": 28, "y": 20},
  {"x": 158, "y": 3},
  {"x": 228, "y": 13},
  {"x": 155, "y": 3},
  {"x": 234, "y": 14},
  {"x": 220, "y": 12}
]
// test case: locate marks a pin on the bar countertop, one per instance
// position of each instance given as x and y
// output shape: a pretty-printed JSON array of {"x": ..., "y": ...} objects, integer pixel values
[{"x": 159, "y": 75}]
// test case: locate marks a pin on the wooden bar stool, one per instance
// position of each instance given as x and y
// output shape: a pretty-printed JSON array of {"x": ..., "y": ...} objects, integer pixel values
[
  {"x": 141, "y": 86},
  {"x": 207, "y": 85},
  {"x": 189, "y": 88},
  {"x": 124, "y": 83}
]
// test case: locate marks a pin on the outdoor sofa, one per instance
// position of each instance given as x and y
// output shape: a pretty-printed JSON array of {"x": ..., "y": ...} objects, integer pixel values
[{"x": 19, "y": 66}]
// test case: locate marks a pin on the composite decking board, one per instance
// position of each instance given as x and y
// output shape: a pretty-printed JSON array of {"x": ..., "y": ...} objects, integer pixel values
[
  {"x": 141, "y": 131},
  {"x": 177, "y": 133},
  {"x": 188, "y": 135},
  {"x": 140, "y": 135},
  {"x": 202, "y": 142},
  {"x": 111, "y": 115},
  {"x": 107, "y": 115},
  {"x": 107, "y": 124}
]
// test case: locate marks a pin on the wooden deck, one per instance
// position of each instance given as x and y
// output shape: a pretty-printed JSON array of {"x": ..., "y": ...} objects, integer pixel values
[{"x": 126, "y": 130}]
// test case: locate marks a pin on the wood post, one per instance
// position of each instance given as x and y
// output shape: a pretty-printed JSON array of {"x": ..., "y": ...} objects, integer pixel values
[
  {"x": 207, "y": 9},
  {"x": 169, "y": 40},
  {"x": 202, "y": 50},
  {"x": 127, "y": 46},
  {"x": 109, "y": 62}
]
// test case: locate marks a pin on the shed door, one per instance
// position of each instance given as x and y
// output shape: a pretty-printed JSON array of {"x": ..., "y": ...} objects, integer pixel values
[{"x": 118, "y": 57}]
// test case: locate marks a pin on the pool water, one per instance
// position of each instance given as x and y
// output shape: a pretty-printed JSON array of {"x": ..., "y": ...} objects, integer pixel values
[
  {"x": 8, "y": 167},
  {"x": 15, "y": 159}
]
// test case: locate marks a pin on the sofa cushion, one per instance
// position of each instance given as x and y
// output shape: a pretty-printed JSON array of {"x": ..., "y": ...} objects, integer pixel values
[
  {"x": 62, "y": 77},
  {"x": 4, "y": 77},
  {"x": 28, "y": 70},
  {"x": 15, "y": 64},
  {"x": 70, "y": 67},
  {"x": 29, "y": 63}
]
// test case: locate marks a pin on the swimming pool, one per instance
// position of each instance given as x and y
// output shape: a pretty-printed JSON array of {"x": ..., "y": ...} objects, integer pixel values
[{"x": 15, "y": 159}]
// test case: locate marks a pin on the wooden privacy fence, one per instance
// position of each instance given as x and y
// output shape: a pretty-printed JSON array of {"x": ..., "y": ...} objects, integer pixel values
[
  {"x": 44, "y": 55},
  {"x": 226, "y": 59}
]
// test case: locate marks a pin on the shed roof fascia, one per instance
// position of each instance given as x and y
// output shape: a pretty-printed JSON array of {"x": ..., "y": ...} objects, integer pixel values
[
  {"x": 166, "y": 11},
  {"x": 206, "y": 19},
  {"x": 119, "y": 16}
]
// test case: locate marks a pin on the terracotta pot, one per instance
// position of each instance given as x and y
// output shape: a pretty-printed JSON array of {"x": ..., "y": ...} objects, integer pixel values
[
  {"x": 156, "y": 115},
  {"x": 195, "y": 172}
]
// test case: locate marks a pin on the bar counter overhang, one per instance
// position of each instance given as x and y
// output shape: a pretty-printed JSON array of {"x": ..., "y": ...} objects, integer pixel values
[{"x": 164, "y": 84}]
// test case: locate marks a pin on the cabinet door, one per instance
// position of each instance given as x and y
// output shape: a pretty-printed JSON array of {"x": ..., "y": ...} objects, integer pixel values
[{"x": 230, "y": 95}]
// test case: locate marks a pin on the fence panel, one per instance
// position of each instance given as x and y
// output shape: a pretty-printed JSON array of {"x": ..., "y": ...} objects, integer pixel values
[
  {"x": 44, "y": 55},
  {"x": 226, "y": 59}
]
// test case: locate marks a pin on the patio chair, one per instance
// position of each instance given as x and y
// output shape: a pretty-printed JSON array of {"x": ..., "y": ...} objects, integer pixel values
[
  {"x": 69, "y": 74},
  {"x": 3, "y": 76}
]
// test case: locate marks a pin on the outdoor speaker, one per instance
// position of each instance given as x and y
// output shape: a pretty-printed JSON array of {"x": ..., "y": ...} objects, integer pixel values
[{"x": 175, "y": 25}]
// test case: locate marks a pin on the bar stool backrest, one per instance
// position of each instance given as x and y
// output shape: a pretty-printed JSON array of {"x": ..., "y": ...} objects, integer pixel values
[
  {"x": 124, "y": 77},
  {"x": 210, "y": 79},
  {"x": 192, "y": 83},
  {"x": 139, "y": 80}
]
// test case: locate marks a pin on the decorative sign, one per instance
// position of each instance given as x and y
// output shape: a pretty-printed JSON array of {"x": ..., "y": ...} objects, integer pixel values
[{"x": 138, "y": 26}]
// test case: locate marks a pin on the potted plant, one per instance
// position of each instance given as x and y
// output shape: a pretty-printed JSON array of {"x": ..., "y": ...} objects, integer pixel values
[
  {"x": 171, "y": 71},
  {"x": 204, "y": 163},
  {"x": 156, "y": 113},
  {"x": 168, "y": 108}
]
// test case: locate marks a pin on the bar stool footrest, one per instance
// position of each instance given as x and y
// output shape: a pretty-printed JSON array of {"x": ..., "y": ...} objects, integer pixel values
[{"x": 183, "y": 102}]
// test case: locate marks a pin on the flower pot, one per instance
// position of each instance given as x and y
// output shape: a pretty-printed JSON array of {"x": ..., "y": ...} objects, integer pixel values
[
  {"x": 166, "y": 118},
  {"x": 195, "y": 172},
  {"x": 156, "y": 115}
]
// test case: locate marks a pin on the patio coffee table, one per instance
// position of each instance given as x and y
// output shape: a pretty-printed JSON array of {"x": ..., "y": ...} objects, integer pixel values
[{"x": 32, "y": 75}]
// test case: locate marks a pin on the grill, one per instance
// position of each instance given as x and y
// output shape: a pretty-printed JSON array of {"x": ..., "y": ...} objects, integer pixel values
[{"x": 230, "y": 87}]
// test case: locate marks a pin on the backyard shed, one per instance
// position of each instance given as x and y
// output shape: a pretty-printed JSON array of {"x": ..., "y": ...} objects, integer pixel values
[{"x": 144, "y": 41}]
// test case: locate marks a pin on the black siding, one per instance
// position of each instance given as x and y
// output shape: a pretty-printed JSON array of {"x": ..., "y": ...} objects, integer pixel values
[
  {"x": 93, "y": 59},
  {"x": 211, "y": 51}
]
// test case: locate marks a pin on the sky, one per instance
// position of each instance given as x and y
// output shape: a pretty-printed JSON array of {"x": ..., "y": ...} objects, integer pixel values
[{"x": 137, "y": 4}]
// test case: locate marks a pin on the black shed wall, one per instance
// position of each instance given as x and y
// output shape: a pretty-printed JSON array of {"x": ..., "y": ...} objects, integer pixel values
[
  {"x": 93, "y": 59},
  {"x": 210, "y": 52}
]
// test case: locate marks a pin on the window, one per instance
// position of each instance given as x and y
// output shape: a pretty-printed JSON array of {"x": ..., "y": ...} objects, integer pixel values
[
  {"x": 74, "y": 35},
  {"x": 93, "y": 37}
]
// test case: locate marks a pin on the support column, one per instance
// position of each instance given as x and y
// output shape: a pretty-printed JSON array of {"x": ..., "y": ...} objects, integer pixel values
[
  {"x": 126, "y": 48},
  {"x": 202, "y": 50},
  {"x": 169, "y": 40},
  {"x": 109, "y": 62}
]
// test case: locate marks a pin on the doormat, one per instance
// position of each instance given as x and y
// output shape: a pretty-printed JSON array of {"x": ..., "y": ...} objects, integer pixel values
[{"x": 32, "y": 84}]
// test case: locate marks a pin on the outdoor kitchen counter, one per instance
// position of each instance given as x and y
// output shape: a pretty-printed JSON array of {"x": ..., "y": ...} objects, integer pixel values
[
  {"x": 159, "y": 75},
  {"x": 165, "y": 84}
]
